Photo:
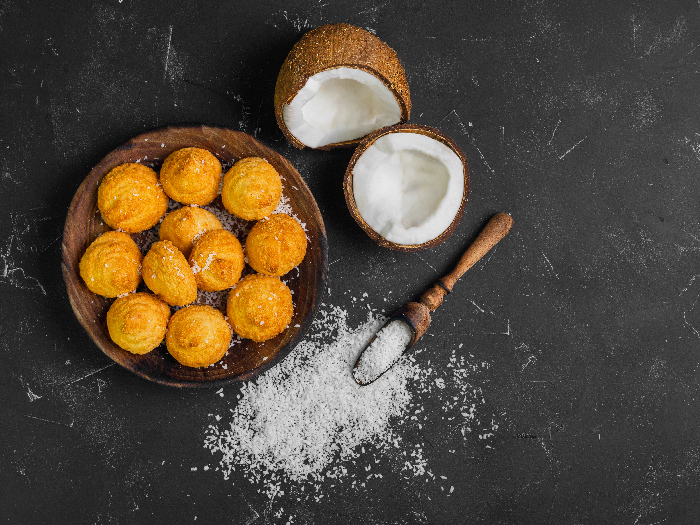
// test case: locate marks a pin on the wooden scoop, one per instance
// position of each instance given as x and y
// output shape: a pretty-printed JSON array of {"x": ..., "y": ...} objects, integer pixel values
[{"x": 417, "y": 315}]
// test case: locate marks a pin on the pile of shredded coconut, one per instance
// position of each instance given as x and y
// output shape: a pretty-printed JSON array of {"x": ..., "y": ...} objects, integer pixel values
[
  {"x": 306, "y": 421},
  {"x": 304, "y": 418}
]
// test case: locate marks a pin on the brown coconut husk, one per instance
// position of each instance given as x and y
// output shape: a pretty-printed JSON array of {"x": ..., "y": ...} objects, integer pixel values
[
  {"x": 350, "y": 195},
  {"x": 339, "y": 45}
]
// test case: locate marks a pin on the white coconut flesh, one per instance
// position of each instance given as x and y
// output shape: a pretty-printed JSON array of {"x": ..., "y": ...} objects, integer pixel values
[
  {"x": 340, "y": 104},
  {"x": 408, "y": 187}
]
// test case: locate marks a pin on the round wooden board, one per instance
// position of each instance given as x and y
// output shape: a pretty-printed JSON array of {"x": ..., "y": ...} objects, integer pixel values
[{"x": 245, "y": 358}]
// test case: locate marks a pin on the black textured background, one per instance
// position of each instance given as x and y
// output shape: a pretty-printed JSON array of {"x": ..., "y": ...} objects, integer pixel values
[{"x": 581, "y": 119}]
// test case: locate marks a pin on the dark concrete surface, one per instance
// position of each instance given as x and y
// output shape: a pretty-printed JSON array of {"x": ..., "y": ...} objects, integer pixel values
[{"x": 581, "y": 119}]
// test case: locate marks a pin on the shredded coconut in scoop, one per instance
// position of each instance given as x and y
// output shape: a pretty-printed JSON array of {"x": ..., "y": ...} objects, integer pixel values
[{"x": 387, "y": 347}]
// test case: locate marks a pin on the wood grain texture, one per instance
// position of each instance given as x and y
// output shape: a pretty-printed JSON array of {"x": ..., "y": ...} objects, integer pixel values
[
  {"x": 498, "y": 227},
  {"x": 245, "y": 359}
]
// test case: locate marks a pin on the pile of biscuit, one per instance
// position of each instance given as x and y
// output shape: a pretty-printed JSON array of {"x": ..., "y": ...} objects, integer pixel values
[{"x": 194, "y": 252}]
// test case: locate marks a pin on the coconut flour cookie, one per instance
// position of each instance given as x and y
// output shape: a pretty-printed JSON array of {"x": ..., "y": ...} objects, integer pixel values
[
  {"x": 191, "y": 176},
  {"x": 168, "y": 275},
  {"x": 217, "y": 260},
  {"x": 276, "y": 245},
  {"x": 259, "y": 307},
  {"x": 184, "y": 225},
  {"x": 137, "y": 322},
  {"x": 130, "y": 198},
  {"x": 198, "y": 335},
  {"x": 111, "y": 265},
  {"x": 252, "y": 189}
]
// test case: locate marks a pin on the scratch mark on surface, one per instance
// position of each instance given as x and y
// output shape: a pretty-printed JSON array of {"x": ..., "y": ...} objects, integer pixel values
[
  {"x": 556, "y": 275},
  {"x": 167, "y": 54},
  {"x": 254, "y": 517},
  {"x": 50, "y": 421},
  {"x": 478, "y": 307},
  {"x": 373, "y": 9},
  {"x": 483, "y": 159},
  {"x": 296, "y": 22},
  {"x": 428, "y": 264},
  {"x": 531, "y": 359},
  {"x": 694, "y": 48},
  {"x": 472, "y": 140},
  {"x": 682, "y": 249},
  {"x": 32, "y": 396},
  {"x": 14, "y": 275},
  {"x": 572, "y": 148},
  {"x": 690, "y": 283},
  {"x": 690, "y": 234},
  {"x": 635, "y": 27},
  {"x": 685, "y": 320},
  {"x": 88, "y": 375},
  {"x": 50, "y": 244},
  {"x": 268, "y": 512},
  {"x": 553, "y": 132},
  {"x": 49, "y": 42},
  {"x": 667, "y": 39},
  {"x": 507, "y": 332},
  {"x": 695, "y": 147}
]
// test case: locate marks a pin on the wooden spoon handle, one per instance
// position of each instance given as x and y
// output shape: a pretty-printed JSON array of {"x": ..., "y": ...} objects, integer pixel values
[{"x": 497, "y": 228}]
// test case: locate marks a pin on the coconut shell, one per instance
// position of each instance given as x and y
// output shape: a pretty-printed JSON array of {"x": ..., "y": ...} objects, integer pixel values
[
  {"x": 350, "y": 195},
  {"x": 339, "y": 45}
]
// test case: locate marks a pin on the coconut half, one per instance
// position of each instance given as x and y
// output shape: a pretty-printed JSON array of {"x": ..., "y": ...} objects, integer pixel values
[
  {"x": 407, "y": 186},
  {"x": 338, "y": 84}
]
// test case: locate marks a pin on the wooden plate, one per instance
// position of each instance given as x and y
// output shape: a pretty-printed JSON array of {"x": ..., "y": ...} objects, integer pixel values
[{"x": 245, "y": 358}]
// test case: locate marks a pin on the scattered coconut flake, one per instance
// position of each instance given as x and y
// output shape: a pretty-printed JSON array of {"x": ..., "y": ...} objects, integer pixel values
[
  {"x": 238, "y": 227},
  {"x": 215, "y": 299},
  {"x": 286, "y": 208}
]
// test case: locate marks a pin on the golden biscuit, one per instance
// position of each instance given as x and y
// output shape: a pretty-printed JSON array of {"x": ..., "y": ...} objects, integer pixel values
[
  {"x": 185, "y": 224},
  {"x": 276, "y": 245},
  {"x": 130, "y": 198},
  {"x": 137, "y": 322},
  {"x": 168, "y": 275},
  {"x": 198, "y": 336},
  {"x": 259, "y": 307},
  {"x": 111, "y": 265},
  {"x": 191, "y": 176},
  {"x": 252, "y": 189},
  {"x": 217, "y": 260}
]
